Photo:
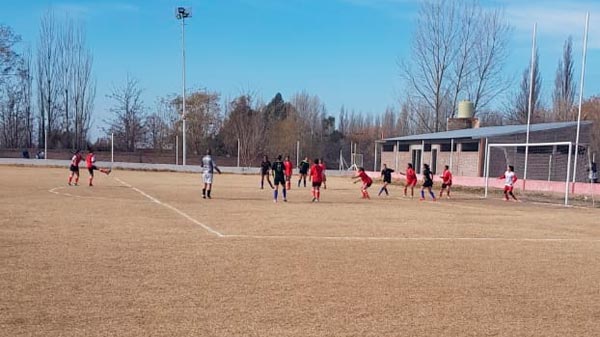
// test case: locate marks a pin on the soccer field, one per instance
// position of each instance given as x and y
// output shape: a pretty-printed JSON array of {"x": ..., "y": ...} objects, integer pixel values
[{"x": 142, "y": 254}]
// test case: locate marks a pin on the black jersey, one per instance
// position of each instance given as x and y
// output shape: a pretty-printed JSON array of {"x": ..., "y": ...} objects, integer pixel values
[
  {"x": 427, "y": 176},
  {"x": 386, "y": 173},
  {"x": 278, "y": 169},
  {"x": 303, "y": 167},
  {"x": 265, "y": 166}
]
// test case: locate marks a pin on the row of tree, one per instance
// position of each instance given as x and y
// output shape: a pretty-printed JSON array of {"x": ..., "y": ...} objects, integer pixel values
[{"x": 57, "y": 106}]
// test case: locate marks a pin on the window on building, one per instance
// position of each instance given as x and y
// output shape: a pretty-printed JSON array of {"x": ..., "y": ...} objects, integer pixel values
[
  {"x": 403, "y": 148},
  {"x": 388, "y": 148},
  {"x": 427, "y": 147},
  {"x": 446, "y": 147},
  {"x": 470, "y": 147}
]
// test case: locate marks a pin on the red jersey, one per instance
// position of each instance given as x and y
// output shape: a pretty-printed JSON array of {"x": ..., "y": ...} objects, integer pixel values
[
  {"x": 287, "y": 168},
  {"x": 447, "y": 176},
  {"x": 410, "y": 174},
  {"x": 90, "y": 159},
  {"x": 76, "y": 159},
  {"x": 316, "y": 174},
  {"x": 365, "y": 178}
]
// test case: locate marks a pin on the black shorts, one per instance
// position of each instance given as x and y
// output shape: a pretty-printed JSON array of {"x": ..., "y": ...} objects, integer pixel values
[
  {"x": 74, "y": 169},
  {"x": 389, "y": 181},
  {"x": 427, "y": 183},
  {"x": 91, "y": 170},
  {"x": 316, "y": 184},
  {"x": 444, "y": 185},
  {"x": 303, "y": 173},
  {"x": 279, "y": 180}
]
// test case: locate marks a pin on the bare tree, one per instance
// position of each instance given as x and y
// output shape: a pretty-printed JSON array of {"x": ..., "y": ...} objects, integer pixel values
[
  {"x": 458, "y": 50},
  {"x": 16, "y": 123},
  {"x": 128, "y": 115},
  {"x": 563, "y": 96},
  {"x": 519, "y": 111},
  {"x": 244, "y": 122},
  {"x": 47, "y": 79}
]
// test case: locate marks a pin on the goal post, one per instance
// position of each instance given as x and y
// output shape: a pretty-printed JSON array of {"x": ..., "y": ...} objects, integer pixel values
[{"x": 549, "y": 158}]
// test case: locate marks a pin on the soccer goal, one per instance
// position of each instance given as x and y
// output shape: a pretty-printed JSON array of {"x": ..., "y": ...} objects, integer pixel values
[
  {"x": 541, "y": 167},
  {"x": 357, "y": 161}
]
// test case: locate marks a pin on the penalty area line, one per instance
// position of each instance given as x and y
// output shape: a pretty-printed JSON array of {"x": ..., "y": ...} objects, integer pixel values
[{"x": 174, "y": 209}]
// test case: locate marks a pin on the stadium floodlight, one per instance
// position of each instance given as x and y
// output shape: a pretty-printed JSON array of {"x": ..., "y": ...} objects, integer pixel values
[{"x": 183, "y": 13}]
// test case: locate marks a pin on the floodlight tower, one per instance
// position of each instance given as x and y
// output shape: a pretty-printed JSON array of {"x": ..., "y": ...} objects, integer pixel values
[{"x": 182, "y": 14}]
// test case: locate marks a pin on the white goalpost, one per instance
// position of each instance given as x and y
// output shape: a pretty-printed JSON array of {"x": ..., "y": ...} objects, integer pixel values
[{"x": 548, "y": 161}]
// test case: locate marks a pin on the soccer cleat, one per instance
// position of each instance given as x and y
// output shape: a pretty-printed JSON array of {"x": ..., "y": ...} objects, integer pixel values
[
  {"x": 314, "y": 199},
  {"x": 421, "y": 199},
  {"x": 203, "y": 197},
  {"x": 284, "y": 200},
  {"x": 109, "y": 171}
]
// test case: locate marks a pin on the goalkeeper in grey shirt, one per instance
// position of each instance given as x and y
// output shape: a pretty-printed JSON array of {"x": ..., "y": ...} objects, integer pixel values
[{"x": 208, "y": 167}]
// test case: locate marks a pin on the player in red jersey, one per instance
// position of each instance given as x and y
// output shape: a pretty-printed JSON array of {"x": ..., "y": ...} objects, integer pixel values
[
  {"x": 322, "y": 163},
  {"x": 411, "y": 180},
  {"x": 287, "y": 169},
  {"x": 366, "y": 182},
  {"x": 90, "y": 162},
  {"x": 446, "y": 181},
  {"x": 316, "y": 177},
  {"x": 74, "y": 168},
  {"x": 510, "y": 178}
]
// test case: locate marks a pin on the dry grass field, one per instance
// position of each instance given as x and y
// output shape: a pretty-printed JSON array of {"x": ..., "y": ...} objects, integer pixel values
[{"x": 142, "y": 254}]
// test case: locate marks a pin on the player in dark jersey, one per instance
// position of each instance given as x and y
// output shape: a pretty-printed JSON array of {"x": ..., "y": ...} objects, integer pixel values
[
  {"x": 427, "y": 182},
  {"x": 265, "y": 166},
  {"x": 303, "y": 170},
  {"x": 386, "y": 175},
  {"x": 278, "y": 170}
]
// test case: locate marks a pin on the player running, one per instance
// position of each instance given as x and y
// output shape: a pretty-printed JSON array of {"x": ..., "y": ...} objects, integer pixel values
[
  {"x": 90, "y": 163},
  {"x": 316, "y": 177},
  {"x": 278, "y": 170},
  {"x": 208, "y": 168},
  {"x": 510, "y": 178},
  {"x": 386, "y": 175},
  {"x": 74, "y": 168},
  {"x": 411, "y": 180},
  {"x": 289, "y": 167},
  {"x": 446, "y": 181},
  {"x": 427, "y": 183},
  {"x": 303, "y": 170},
  {"x": 265, "y": 166},
  {"x": 366, "y": 182}
]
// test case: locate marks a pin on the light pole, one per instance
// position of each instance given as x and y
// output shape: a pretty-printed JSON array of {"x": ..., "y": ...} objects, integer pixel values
[{"x": 182, "y": 14}]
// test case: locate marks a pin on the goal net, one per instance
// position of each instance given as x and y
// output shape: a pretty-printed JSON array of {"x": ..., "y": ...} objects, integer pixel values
[
  {"x": 542, "y": 168},
  {"x": 356, "y": 161}
]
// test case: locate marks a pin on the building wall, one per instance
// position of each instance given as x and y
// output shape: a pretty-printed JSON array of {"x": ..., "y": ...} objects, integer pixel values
[{"x": 540, "y": 166}]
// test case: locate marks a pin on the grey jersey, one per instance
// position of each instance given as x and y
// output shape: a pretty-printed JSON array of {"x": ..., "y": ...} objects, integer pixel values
[{"x": 208, "y": 164}]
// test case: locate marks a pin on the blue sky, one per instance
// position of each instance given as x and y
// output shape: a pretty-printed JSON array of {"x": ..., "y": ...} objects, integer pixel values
[{"x": 344, "y": 51}]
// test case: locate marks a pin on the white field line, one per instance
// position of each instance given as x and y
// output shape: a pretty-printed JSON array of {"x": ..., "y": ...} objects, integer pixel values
[
  {"x": 55, "y": 191},
  {"x": 207, "y": 228},
  {"x": 372, "y": 238}
]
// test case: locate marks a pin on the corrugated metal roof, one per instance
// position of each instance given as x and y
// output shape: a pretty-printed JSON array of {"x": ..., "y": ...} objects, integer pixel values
[{"x": 490, "y": 131}]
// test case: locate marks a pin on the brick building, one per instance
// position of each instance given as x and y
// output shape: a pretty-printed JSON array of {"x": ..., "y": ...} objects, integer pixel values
[{"x": 464, "y": 150}]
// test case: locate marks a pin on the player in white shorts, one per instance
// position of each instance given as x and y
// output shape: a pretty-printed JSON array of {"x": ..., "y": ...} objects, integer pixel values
[{"x": 208, "y": 167}]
